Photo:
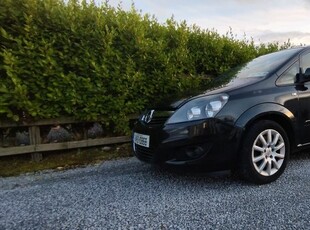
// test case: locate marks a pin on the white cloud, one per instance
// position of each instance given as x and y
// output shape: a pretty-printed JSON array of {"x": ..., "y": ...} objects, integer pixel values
[
  {"x": 261, "y": 19},
  {"x": 296, "y": 37}
]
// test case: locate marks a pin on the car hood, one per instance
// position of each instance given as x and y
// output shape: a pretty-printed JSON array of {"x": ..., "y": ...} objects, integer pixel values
[{"x": 234, "y": 84}]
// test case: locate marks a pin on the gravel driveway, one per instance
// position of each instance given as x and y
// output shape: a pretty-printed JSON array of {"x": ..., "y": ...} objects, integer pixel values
[{"x": 128, "y": 194}]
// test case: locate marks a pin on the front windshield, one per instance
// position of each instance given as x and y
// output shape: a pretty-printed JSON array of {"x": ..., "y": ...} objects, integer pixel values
[
  {"x": 266, "y": 64},
  {"x": 260, "y": 67}
]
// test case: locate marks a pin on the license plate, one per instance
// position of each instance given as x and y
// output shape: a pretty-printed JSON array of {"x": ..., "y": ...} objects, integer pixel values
[{"x": 141, "y": 139}]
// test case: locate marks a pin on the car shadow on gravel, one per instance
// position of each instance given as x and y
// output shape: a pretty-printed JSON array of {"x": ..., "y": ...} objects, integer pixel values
[
  {"x": 224, "y": 176},
  {"x": 303, "y": 155},
  {"x": 147, "y": 172},
  {"x": 194, "y": 173}
]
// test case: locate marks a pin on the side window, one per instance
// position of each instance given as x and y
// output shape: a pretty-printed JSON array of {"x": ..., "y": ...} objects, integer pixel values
[
  {"x": 305, "y": 61},
  {"x": 288, "y": 77}
]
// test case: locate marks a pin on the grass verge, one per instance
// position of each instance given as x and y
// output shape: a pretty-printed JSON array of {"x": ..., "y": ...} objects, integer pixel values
[{"x": 60, "y": 160}]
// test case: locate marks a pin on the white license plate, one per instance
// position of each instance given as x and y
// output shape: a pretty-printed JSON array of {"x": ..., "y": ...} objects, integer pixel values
[{"x": 141, "y": 139}]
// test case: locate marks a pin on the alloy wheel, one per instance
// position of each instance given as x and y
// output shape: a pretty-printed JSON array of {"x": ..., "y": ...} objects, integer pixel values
[{"x": 268, "y": 152}]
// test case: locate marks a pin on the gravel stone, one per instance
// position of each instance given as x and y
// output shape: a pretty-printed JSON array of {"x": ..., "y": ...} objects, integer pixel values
[
  {"x": 129, "y": 194},
  {"x": 106, "y": 148}
]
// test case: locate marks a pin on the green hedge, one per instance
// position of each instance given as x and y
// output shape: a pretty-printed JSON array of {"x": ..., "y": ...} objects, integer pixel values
[{"x": 65, "y": 58}]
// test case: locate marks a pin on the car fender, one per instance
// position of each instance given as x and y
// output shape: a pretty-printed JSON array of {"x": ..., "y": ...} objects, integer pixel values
[{"x": 262, "y": 110}]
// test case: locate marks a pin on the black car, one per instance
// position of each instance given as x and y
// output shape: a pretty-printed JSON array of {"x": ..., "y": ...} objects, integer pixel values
[{"x": 250, "y": 124}]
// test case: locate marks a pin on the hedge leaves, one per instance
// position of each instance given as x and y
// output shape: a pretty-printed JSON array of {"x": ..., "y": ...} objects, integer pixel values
[{"x": 66, "y": 58}]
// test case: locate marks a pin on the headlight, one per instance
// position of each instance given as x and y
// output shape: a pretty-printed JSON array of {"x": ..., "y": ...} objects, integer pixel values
[
  {"x": 199, "y": 108},
  {"x": 193, "y": 113}
]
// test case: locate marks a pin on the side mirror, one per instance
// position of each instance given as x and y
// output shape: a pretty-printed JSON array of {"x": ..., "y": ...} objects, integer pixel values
[
  {"x": 307, "y": 73},
  {"x": 302, "y": 78}
]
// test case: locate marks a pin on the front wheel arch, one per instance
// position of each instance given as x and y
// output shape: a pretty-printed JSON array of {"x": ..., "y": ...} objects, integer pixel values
[
  {"x": 273, "y": 112},
  {"x": 284, "y": 122}
]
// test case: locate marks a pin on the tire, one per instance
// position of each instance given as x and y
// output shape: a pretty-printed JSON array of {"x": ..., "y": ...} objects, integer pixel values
[{"x": 265, "y": 152}]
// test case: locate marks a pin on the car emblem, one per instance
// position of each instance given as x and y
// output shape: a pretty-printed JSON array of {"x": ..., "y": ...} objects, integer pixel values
[{"x": 148, "y": 117}]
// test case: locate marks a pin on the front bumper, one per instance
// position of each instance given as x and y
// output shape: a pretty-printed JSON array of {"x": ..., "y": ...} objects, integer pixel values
[{"x": 210, "y": 142}]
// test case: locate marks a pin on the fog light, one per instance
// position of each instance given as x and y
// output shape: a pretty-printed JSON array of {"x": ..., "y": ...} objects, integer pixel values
[{"x": 194, "y": 151}]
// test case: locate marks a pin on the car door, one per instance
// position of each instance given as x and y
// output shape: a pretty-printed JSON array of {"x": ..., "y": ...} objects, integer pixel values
[{"x": 304, "y": 104}]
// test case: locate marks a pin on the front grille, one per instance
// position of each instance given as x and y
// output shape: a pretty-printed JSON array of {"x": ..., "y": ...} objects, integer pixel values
[
  {"x": 156, "y": 117},
  {"x": 158, "y": 120},
  {"x": 144, "y": 154}
]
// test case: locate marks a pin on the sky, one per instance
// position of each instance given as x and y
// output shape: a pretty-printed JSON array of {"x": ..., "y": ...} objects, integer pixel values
[{"x": 263, "y": 20}]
